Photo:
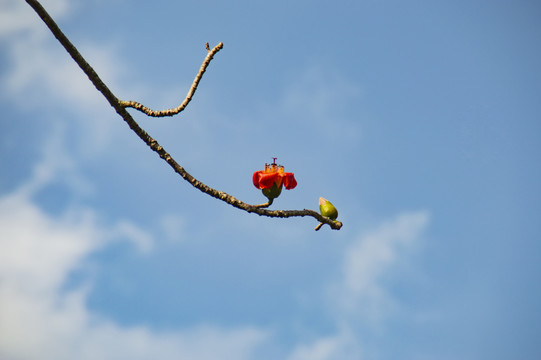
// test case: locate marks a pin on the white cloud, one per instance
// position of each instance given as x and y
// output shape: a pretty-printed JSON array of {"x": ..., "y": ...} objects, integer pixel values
[
  {"x": 40, "y": 69},
  {"x": 172, "y": 227},
  {"x": 127, "y": 230},
  {"x": 340, "y": 346},
  {"x": 43, "y": 76},
  {"x": 40, "y": 74},
  {"x": 41, "y": 320},
  {"x": 358, "y": 299},
  {"x": 47, "y": 75},
  {"x": 370, "y": 258},
  {"x": 16, "y": 15},
  {"x": 37, "y": 251},
  {"x": 56, "y": 166}
]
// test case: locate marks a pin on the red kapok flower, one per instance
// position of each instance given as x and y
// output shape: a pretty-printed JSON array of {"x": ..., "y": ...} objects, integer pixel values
[{"x": 272, "y": 178}]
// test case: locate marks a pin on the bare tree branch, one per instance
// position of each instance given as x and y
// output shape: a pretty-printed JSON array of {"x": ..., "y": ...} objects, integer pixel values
[
  {"x": 120, "y": 108},
  {"x": 191, "y": 92}
]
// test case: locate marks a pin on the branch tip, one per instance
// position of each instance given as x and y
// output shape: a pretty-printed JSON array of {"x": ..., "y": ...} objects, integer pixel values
[{"x": 171, "y": 112}]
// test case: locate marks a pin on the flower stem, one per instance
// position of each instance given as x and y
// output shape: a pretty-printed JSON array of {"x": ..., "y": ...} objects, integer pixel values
[{"x": 264, "y": 205}]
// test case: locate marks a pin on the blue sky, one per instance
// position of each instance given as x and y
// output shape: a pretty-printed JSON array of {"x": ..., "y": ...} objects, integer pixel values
[{"x": 419, "y": 120}]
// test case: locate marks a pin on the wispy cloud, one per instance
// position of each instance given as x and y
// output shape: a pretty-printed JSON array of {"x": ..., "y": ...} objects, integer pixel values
[
  {"x": 42, "y": 320},
  {"x": 57, "y": 165},
  {"x": 172, "y": 226},
  {"x": 358, "y": 299},
  {"x": 370, "y": 258},
  {"x": 320, "y": 99},
  {"x": 17, "y": 15},
  {"x": 342, "y": 346},
  {"x": 40, "y": 74}
]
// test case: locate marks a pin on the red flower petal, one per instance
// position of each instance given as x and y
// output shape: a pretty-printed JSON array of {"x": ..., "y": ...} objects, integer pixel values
[
  {"x": 289, "y": 180},
  {"x": 255, "y": 178},
  {"x": 266, "y": 180}
]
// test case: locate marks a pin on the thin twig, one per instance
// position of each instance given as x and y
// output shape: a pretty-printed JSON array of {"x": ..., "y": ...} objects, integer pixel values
[
  {"x": 264, "y": 205},
  {"x": 153, "y": 144},
  {"x": 191, "y": 92}
]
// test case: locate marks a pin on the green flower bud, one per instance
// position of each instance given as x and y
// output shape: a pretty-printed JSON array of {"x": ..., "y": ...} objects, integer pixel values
[{"x": 327, "y": 209}]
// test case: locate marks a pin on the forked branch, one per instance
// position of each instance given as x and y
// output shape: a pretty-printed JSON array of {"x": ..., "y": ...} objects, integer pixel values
[{"x": 120, "y": 108}]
